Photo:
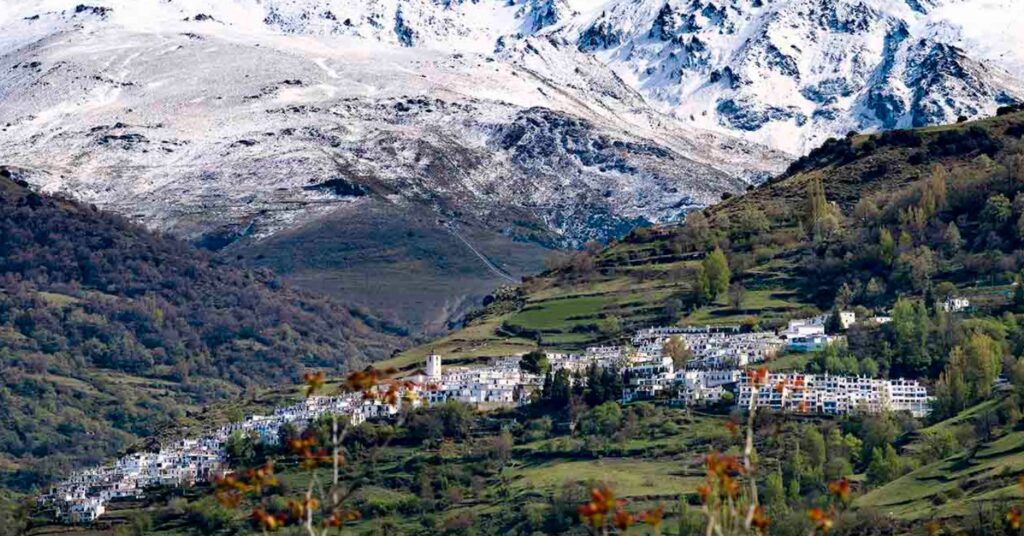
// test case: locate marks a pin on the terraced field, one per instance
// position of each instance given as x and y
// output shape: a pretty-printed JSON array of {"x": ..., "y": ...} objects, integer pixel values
[{"x": 985, "y": 476}]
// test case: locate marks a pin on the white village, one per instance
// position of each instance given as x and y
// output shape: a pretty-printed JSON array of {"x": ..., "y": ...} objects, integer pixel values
[{"x": 717, "y": 372}]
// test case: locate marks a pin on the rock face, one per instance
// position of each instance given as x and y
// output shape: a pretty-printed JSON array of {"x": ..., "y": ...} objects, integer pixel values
[{"x": 542, "y": 123}]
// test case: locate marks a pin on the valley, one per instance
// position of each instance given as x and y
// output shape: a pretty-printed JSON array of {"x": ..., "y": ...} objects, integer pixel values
[
  {"x": 468, "y": 268},
  {"x": 445, "y": 468}
]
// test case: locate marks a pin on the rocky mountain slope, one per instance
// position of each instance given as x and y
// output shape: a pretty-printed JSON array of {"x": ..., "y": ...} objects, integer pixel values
[
  {"x": 792, "y": 73},
  {"x": 529, "y": 124}
]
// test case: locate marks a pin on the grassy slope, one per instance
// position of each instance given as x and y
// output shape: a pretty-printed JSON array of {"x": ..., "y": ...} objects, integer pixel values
[
  {"x": 955, "y": 486},
  {"x": 398, "y": 262}
]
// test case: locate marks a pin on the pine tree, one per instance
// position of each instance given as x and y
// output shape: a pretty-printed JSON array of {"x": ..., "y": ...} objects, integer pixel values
[
  {"x": 819, "y": 218},
  {"x": 716, "y": 266},
  {"x": 886, "y": 247}
]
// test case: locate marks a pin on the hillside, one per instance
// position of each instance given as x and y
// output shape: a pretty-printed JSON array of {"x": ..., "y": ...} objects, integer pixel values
[
  {"x": 881, "y": 224},
  {"x": 869, "y": 182},
  {"x": 109, "y": 332},
  {"x": 888, "y": 224}
]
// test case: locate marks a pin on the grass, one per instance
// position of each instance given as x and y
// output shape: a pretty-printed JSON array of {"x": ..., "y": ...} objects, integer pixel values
[
  {"x": 560, "y": 313},
  {"x": 631, "y": 477},
  {"x": 474, "y": 343},
  {"x": 789, "y": 362}
]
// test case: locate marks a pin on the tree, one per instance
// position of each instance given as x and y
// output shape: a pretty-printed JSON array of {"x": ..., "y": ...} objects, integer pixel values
[
  {"x": 716, "y": 266},
  {"x": 916, "y": 267},
  {"x": 611, "y": 327},
  {"x": 877, "y": 431},
  {"x": 820, "y": 219},
  {"x": 951, "y": 392},
  {"x": 944, "y": 290},
  {"x": 834, "y": 322},
  {"x": 836, "y": 468},
  {"x": 605, "y": 419},
  {"x": 286, "y": 432},
  {"x": 535, "y": 362},
  {"x": 774, "y": 492},
  {"x": 793, "y": 491},
  {"x": 844, "y": 296},
  {"x": 884, "y": 467},
  {"x": 737, "y": 293},
  {"x": 501, "y": 448},
  {"x": 561, "y": 389},
  {"x": 753, "y": 222},
  {"x": 701, "y": 288},
  {"x": 240, "y": 448},
  {"x": 951, "y": 238},
  {"x": 886, "y": 247},
  {"x": 594, "y": 393},
  {"x": 1018, "y": 294},
  {"x": 813, "y": 446},
  {"x": 869, "y": 367},
  {"x": 997, "y": 211},
  {"x": 982, "y": 365},
  {"x": 676, "y": 348},
  {"x": 909, "y": 327},
  {"x": 697, "y": 231},
  {"x": 939, "y": 444}
]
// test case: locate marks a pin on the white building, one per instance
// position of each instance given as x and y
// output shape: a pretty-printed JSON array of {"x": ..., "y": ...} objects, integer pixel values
[
  {"x": 835, "y": 395},
  {"x": 847, "y": 319},
  {"x": 808, "y": 335},
  {"x": 83, "y": 496},
  {"x": 956, "y": 304},
  {"x": 501, "y": 384},
  {"x": 433, "y": 367},
  {"x": 701, "y": 387}
]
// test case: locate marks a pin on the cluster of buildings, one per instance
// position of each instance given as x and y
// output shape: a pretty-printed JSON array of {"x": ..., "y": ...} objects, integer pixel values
[
  {"x": 503, "y": 383},
  {"x": 714, "y": 370},
  {"x": 713, "y": 347},
  {"x": 822, "y": 394},
  {"x": 83, "y": 497}
]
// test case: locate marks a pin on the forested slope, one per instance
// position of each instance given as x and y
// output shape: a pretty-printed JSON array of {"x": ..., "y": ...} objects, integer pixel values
[{"x": 108, "y": 331}]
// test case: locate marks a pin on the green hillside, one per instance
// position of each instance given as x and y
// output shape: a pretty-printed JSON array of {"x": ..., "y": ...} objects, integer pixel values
[
  {"x": 977, "y": 469},
  {"x": 110, "y": 333}
]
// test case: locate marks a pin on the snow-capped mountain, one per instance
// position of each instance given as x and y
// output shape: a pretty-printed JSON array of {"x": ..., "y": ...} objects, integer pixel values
[
  {"x": 791, "y": 73},
  {"x": 544, "y": 122},
  {"x": 243, "y": 123},
  {"x": 196, "y": 115}
]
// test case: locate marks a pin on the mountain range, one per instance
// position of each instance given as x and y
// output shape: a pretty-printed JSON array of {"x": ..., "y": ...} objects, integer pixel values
[{"x": 434, "y": 149}]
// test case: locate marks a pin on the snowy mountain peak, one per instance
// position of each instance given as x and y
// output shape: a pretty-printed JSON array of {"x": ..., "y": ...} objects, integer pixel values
[{"x": 790, "y": 73}]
